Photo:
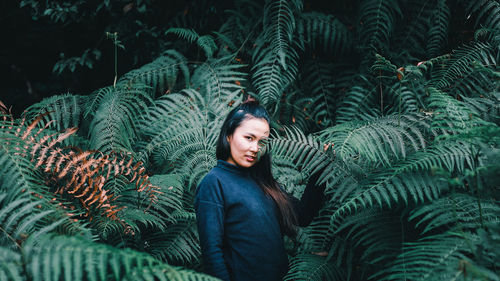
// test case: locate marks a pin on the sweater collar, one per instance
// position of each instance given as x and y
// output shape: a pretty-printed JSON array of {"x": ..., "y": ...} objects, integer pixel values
[{"x": 232, "y": 168}]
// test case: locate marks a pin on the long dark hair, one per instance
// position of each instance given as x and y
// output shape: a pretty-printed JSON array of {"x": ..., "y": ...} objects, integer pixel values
[{"x": 260, "y": 171}]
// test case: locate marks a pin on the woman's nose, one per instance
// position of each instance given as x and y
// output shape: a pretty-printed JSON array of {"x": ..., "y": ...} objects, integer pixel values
[{"x": 254, "y": 147}]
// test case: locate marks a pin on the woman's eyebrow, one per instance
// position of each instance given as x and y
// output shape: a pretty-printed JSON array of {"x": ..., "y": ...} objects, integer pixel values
[{"x": 254, "y": 136}]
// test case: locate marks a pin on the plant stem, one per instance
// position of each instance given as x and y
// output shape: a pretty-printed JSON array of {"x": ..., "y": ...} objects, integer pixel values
[{"x": 115, "y": 38}]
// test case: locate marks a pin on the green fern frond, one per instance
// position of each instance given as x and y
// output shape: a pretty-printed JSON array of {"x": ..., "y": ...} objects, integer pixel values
[
  {"x": 64, "y": 111},
  {"x": 276, "y": 58},
  {"x": 270, "y": 78},
  {"x": 382, "y": 189},
  {"x": 72, "y": 258},
  {"x": 410, "y": 36},
  {"x": 205, "y": 42},
  {"x": 438, "y": 32},
  {"x": 439, "y": 257},
  {"x": 487, "y": 12},
  {"x": 308, "y": 266},
  {"x": 165, "y": 74},
  {"x": 487, "y": 108},
  {"x": 140, "y": 213},
  {"x": 306, "y": 152},
  {"x": 18, "y": 218},
  {"x": 379, "y": 141},
  {"x": 376, "y": 233},
  {"x": 461, "y": 62},
  {"x": 10, "y": 268},
  {"x": 359, "y": 103},
  {"x": 453, "y": 156},
  {"x": 456, "y": 211},
  {"x": 450, "y": 115},
  {"x": 240, "y": 27},
  {"x": 477, "y": 90},
  {"x": 279, "y": 25},
  {"x": 325, "y": 33},
  {"x": 189, "y": 34},
  {"x": 186, "y": 130},
  {"x": 113, "y": 128},
  {"x": 318, "y": 80},
  {"x": 405, "y": 99},
  {"x": 165, "y": 273},
  {"x": 17, "y": 173},
  {"x": 376, "y": 23},
  {"x": 178, "y": 244},
  {"x": 218, "y": 80},
  {"x": 300, "y": 111}
]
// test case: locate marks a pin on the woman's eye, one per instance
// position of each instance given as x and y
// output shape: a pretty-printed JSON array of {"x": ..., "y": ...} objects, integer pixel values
[{"x": 248, "y": 138}]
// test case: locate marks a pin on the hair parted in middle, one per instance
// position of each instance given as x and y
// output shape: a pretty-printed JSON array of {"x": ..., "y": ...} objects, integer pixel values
[{"x": 260, "y": 171}]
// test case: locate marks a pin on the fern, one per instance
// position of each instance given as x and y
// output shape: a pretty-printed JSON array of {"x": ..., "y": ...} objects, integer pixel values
[
  {"x": 64, "y": 111},
  {"x": 305, "y": 151},
  {"x": 375, "y": 233},
  {"x": 319, "y": 81},
  {"x": 487, "y": 13},
  {"x": 189, "y": 144},
  {"x": 217, "y": 80},
  {"x": 72, "y": 258},
  {"x": 163, "y": 74},
  {"x": 447, "y": 155},
  {"x": 410, "y": 33},
  {"x": 24, "y": 217},
  {"x": 381, "y": 190},
  {"x": 270, "y": 78},
  {"x": 432, "y": 258},
  {"x": 378, "y": 141},
  {"x": 313, "y": 267},
  {"x": 9, "y": 265},
  {"x": 376, "y": 22},
  {"x": 411, "y": 178},
  {"x": 205, "y": 42},
  {"x": 358, "y": 104},
  {"x": 279, "y": 25},
  {"x": 276, "y": 65},
  {"x": 113, "y": 126},
  {"x": 325, "y": 33},
  {"x": 460, "y": 63},
  {"x": 450, "y": 115},
  {"x": 438, "y": 31},
  {"x": 179, "y": 243},
  {"x": 466, "y": 213}
]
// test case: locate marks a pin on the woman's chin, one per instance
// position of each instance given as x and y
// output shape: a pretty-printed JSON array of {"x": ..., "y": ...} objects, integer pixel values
[{"x": 246, "y": 163}]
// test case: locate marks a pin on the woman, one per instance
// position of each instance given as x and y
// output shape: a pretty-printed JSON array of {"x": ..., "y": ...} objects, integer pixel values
[{"x": 241, "y": 211}]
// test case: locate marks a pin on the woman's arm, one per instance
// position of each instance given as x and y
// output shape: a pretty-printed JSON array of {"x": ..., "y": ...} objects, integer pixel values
[
  {"x": 311, "y": 201},
  {"x": 209, "y": 208}
]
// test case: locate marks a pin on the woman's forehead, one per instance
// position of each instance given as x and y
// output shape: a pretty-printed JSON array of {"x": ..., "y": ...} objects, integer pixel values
[{"x": 255, "y": 125}]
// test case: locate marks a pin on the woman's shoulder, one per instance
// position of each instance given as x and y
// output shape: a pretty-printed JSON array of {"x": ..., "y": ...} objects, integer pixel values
[
  {"x": 209, "y": 188},
  {"x": 212, "y": 177}
]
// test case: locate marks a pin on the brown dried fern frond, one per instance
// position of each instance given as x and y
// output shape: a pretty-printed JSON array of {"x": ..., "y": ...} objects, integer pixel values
[
  {"x": 78, "y": 174},
  {"x": 84, "y": 173}
]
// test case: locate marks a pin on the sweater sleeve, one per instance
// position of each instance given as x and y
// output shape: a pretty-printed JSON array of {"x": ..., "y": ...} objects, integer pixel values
[
  {"x": 311, "y": 201},
  {"x": 209, "y": 206}
]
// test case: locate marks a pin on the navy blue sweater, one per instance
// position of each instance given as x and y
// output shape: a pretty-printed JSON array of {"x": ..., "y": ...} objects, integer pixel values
[{"x": 239, "y": 228}]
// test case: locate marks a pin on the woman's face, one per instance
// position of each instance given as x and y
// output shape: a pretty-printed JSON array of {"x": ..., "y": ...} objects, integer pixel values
[{"x": 244, "y": 142}]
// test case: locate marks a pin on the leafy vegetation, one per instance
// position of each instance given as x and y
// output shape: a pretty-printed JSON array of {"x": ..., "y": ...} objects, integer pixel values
[{"x": 101, "y": 186}]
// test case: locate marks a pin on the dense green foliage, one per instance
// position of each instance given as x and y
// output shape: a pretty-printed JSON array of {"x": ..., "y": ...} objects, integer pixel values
[{"x": 412, "y": 175}]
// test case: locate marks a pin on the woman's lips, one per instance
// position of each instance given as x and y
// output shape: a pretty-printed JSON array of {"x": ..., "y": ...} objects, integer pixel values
[{"x": 250, "y": 158}]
